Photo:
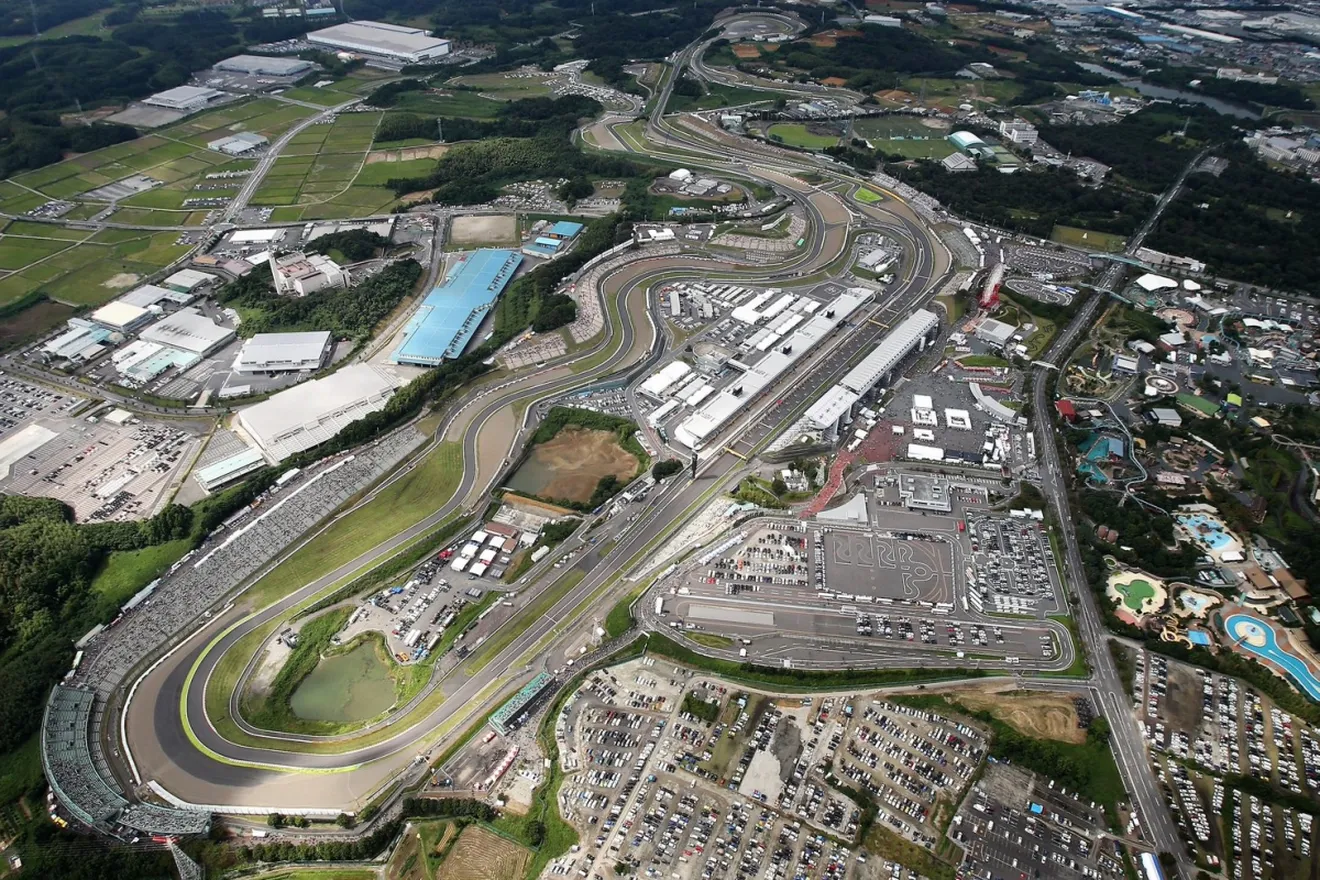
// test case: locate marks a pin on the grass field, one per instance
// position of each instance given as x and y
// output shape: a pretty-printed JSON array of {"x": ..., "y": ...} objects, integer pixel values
[
  {"x": 87, "y": 26},
  {"x": 504, "y": 86},
  {"x": 324, "y": 97},
  {"x": 87, "y": 272},
  {"x": 867, "y": 196},
  {"x": 470, "y": 105},
  {"x": 795, "y": 134},
  {"x": 127, "y": 571},
  {"x": 717, "y": 96},
  {"x": 1101, "y": 242}
]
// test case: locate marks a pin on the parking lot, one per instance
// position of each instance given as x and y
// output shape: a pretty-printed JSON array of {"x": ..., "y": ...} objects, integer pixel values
[
  {"x": 680, "y": 775},
  {"x": 22, "y": 402},
  {"x": 107, "y": 467},
  {"x": 1015, "y": 824},
  {"x": 1012, "y": 568}
]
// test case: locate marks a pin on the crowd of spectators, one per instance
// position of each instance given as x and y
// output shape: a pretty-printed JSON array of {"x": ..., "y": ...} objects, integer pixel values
[{"x": 234, "y": 553}]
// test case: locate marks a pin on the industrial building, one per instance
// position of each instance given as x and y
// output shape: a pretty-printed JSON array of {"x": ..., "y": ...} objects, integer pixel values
[
  {"x": 187, "y": 280},
  {"x": 225, "y": 471},
  {"x": 189, "y": 330},
  {"x": 553, "y": 240},
  {"x": 698, "y": 428},
  {"x": 141, "y": 361},
  {"x": 263, "y": 65},
  {"x": 238, "y": 144},
  {"x": 997, "y": 333},
  {"x": 148, "y": 295},
  {"x": 82, "y": 342},
  {"x": 875, "y": 369},
  {"x": 966, "y": 142},
  {"x": 313, "y": 412},
  {"x": 121, "y": 316},
  {"x": 299, "y": 274},
  {"x": 388, "y": 42},
  {"x": 446, "y": 320},
  {"x": 185, "y": 98},
  {"x": 957, "y": 163},
  {"x": 284, "y": 352}
]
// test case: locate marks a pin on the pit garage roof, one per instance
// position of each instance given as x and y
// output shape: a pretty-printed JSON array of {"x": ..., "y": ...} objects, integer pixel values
[
  {"x": 698, "y": 427},
  {"x": 891, "y": 351}
]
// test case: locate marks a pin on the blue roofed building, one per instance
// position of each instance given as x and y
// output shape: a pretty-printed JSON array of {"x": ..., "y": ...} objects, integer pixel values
[
  {"x": 553, "y": 241},
  {"x": 565, "y": 230},
  {"x": 451, "y": 313}
]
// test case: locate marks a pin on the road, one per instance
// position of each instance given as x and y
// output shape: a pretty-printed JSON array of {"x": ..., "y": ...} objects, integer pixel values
[{"x": 1126, "y": 735}]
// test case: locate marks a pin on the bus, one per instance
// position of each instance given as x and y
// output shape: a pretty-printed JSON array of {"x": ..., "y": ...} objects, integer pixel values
[{"x": 801, "y": 242}]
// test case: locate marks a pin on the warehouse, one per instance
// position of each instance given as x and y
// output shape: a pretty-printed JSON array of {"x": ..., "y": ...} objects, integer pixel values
[
  {"x": 185, "y": 98},
  {"x": 148, "y": 295},
  {"x": 996, "y": 333},
  {"x": 187, "y": 280},
  {"x": 312, "y": 413},
  {"x": 699, "y": 427},
  {"x": 446, "y": 320},
  {"x": 261, "y": 65},
  {"x": 189, "y": 330},
  {"x": 81, "y": 342},
  {"x": 142, "y": 361},
  {"x": 388, "y": 42},
  {"x": 121, "y": 316},
  {"x": 238, "y": 144},
  {"x": 284, "y": 352}
]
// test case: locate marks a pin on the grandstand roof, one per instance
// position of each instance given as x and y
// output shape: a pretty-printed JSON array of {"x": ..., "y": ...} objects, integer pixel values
[
  {"x": 446, "y": 320},
  {"x": 897, "y": 345},
  {"x": 230, "y": 468}
]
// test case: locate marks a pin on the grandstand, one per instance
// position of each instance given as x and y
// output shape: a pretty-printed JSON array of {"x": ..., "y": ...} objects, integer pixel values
[
  {"x": 81, "y": 781},
  {"x": 506, "y": 716}
]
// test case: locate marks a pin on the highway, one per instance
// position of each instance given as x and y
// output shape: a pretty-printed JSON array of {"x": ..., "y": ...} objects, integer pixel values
[{"x": 1127, "y": 738}]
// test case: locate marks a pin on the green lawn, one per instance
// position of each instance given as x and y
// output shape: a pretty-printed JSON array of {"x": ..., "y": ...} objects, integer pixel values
[
  {"x": 1135, "y": 593},
  {"x": 867, "y": 196},
  {"x": 126, "y": 572},
  {"x": 322, "y": 97},
  {"x": 1100, "y": 242},
  {"x": 400, "y": 505},
  {"x": 795, "y": 134},
  {"x": 982, "y": 360},
  {"x": 717, "y": 96},
  {"x": 15, "y": 253},
  {"x": 470, "y": 105}
]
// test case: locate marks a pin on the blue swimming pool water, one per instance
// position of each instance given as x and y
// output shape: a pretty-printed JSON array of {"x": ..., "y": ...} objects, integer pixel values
[
  {"x": 1197, "y": 637},
  {"x": 1240, "y": 625},
  {"x": 1215, "y": 539}
]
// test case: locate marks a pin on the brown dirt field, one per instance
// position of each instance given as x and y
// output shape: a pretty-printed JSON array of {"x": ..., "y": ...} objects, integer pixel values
[
  {"x": 534, "y": 506},
  {"x": 573, "y": 463},
  {"x": 450, "y": 830},
  {"x": 484, "y": 229},
  {"x": 745, "y": 50},
  {"x": 1042, "y": 715},
  {"x": 823, "y": 41},
  {"x": 430, "y": 151},
  {"x": 483, "y": 855},
  {"x": 834, "y": 81}
]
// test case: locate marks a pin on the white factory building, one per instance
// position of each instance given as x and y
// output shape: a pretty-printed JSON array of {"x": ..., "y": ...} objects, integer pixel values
[
  {"x": 313, "y": 412},
  {"x": 389, "y": 42},
  {"x": 874, "y": 370},
  {"x": 706, "y": 422},
  {"x": 189, "y": 330},
  {"x": 148, "y": 295},
  {"x": 299, "y": 274},
  {"x": 284, "y": 352},
  {"x": 187, "y": 280},
  {"x": 264, "y": 65},
  {"x": 238, "y": 144},
  {"x": 121, "y": 317},
  {"x": 186, "y": 98}
]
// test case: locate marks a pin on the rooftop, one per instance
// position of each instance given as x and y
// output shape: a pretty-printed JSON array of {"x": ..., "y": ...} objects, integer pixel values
[{"x": 446, "y": 320}]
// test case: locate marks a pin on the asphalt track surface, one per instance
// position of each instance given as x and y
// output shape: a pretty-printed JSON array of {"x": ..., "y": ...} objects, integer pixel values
[{"x": 161, "y": 746}]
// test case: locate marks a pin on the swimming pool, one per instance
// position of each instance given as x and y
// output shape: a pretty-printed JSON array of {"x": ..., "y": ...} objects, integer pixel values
[
  {"x": 1242, "y": 627},
  {"x": 1207, "y": 531}
]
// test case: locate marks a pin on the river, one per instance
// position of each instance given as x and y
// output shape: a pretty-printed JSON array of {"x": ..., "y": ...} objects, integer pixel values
[{"x": 1166, "y": 94}]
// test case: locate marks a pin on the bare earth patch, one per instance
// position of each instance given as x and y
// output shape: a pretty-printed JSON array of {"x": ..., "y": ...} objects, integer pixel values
[
  {"x": 429, "y": 151},
  {"x": 482, "y": 855},
  {"x": 574, "y": 461},
  {"x": 120, "y": 281},
  {"x": 484, "y": 229},
  {"x": 1036, "y": 714}
]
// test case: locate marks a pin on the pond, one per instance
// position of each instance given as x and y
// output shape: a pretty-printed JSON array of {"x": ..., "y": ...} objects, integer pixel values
[
  {"x": 571, "y": 464},
  {"x": 354, "y": 686}
]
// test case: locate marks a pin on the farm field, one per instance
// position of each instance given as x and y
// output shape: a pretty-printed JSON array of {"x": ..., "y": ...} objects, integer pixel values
[
  {"x": 451, "y": 103},
  {"x": 481, "y": 854},
  {"x": 325, "y": 172},
  {"x": 327, "y": 96},
  {"x": 796, "y": 134},
  {"x": 87, "y": 272},
  {"x": 1105, "y": 242}
]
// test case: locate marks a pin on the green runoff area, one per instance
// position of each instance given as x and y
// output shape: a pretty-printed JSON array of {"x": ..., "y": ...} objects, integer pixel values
[
  {"x": 798, "y": 134},
  {"x": 904, "y": 136}
]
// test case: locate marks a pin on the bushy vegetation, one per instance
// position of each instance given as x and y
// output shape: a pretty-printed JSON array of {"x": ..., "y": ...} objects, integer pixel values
[
  {"x": 1259, "y": 94},
  {"x": 354, "y": 244},
  {"x": 699, "y": 708},
  {"x": 351, "y": 313},
  {"x": 273, "y": 711},
  {"x": 530, "y": 301},
  {"x": 527, "y": 118},
  {"x": 666, "y": 468},
  {"x": 388, "y": 94}
]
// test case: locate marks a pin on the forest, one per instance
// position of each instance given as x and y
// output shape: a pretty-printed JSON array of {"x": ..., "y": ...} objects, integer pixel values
[
  {"x": 350, "y": 313},
  {"x": 1029, "y": 201},
  {"x": 1252, "y": 223},
  {"x": 355, "y": 244}
]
